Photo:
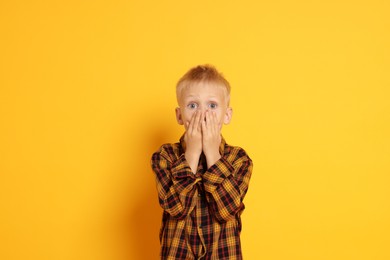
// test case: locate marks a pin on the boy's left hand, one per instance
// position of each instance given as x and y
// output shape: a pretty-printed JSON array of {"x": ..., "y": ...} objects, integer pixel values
[{"x": 211, "y": 137}]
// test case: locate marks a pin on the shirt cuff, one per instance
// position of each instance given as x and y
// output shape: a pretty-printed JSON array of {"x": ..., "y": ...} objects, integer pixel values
[{"x": 218, "y": 172}]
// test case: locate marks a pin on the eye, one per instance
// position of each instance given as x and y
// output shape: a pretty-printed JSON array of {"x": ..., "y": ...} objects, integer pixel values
[
  {"x": 192, "y": 106},
  {"x": 213, "y": 105}
]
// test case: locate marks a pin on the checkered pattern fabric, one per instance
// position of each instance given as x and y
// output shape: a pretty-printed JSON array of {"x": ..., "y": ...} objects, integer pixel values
[{"x": 201, "y": 212}]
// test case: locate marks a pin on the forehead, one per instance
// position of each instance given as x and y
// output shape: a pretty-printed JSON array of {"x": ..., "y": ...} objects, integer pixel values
[{"x": 204, "y": 90}]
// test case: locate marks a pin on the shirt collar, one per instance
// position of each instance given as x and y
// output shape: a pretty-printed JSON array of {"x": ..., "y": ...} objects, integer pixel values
[{"x": 221, "y": 146}]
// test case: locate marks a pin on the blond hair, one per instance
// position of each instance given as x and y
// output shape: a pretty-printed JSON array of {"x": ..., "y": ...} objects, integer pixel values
[{"x": 202, "y": 74}]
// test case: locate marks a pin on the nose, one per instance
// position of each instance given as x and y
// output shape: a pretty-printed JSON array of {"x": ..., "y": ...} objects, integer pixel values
[{"x": 202, "y": 109}]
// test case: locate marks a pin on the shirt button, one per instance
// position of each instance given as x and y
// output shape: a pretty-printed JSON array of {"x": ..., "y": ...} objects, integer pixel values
[{"x": 199, "y": 195}]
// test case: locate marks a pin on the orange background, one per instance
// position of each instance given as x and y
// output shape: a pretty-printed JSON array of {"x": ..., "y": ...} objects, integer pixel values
[{"x": 87, "y": 95}]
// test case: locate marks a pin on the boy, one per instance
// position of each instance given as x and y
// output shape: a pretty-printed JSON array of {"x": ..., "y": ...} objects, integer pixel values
[{"x": 201, "y": 180}]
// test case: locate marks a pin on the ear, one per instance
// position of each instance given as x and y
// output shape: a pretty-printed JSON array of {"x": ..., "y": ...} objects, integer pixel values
[
  {"x": 178, "y": 116},
  {"x": 228, "y": 116}
]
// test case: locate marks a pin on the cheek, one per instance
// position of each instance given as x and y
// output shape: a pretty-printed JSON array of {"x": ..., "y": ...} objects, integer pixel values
[
  {"x": 219, "y": 117},
  {"x": 220, "y": 121},
  {"x": 187, "y": 115}
]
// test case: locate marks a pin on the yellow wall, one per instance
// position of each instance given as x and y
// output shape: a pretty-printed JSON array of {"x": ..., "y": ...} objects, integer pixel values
[{"x": 87, "y": 95}]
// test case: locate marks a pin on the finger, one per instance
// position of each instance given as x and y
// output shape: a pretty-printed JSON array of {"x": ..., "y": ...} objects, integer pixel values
[
  {"x": 196, "y": 121},
  {"x": 208, "y": 119},
  {"x": 204, "y": 123},
  {"x": 210, "y": 123},
  {"x": 192, "y": 121},
  {"x": 216, "y": 124},
  {"x": 187, "y": 124},
  {"x": 201, "y": 120}
]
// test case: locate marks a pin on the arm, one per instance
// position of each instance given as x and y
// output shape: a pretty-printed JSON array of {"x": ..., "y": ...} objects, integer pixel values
[
  {"x": 175, "y": 183},
  {"x": 227, "y": 183}
]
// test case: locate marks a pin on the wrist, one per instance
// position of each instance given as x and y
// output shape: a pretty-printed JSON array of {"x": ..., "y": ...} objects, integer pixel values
[
  {"x": 190, "y": 154},
  {"x": 193, "y": 160},
  {"x": 212, "y": 158}
]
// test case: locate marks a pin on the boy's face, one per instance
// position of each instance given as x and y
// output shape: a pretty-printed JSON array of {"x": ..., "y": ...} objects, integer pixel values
[{"x": 202, "y": 97}]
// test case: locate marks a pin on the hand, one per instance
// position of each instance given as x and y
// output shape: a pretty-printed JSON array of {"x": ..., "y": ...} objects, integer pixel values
[
  {"x": 211, "y": 131},
  {"x": 193, "y": 140}
]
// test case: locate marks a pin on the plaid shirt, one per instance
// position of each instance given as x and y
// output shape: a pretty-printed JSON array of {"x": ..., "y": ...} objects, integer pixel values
[{"x": 201, "y": 217}]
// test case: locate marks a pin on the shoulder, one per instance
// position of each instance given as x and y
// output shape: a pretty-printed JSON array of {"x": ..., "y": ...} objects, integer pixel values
[{"x": 168, "y": 151}]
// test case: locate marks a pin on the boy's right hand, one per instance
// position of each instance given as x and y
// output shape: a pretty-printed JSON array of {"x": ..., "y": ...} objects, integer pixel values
[{"x": 193, "y": 140}]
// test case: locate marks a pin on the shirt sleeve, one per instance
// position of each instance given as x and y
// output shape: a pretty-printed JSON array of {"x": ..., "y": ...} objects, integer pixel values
[
  {"x": 226, "y": 184},
  {"x": 176, "y": 187}
]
